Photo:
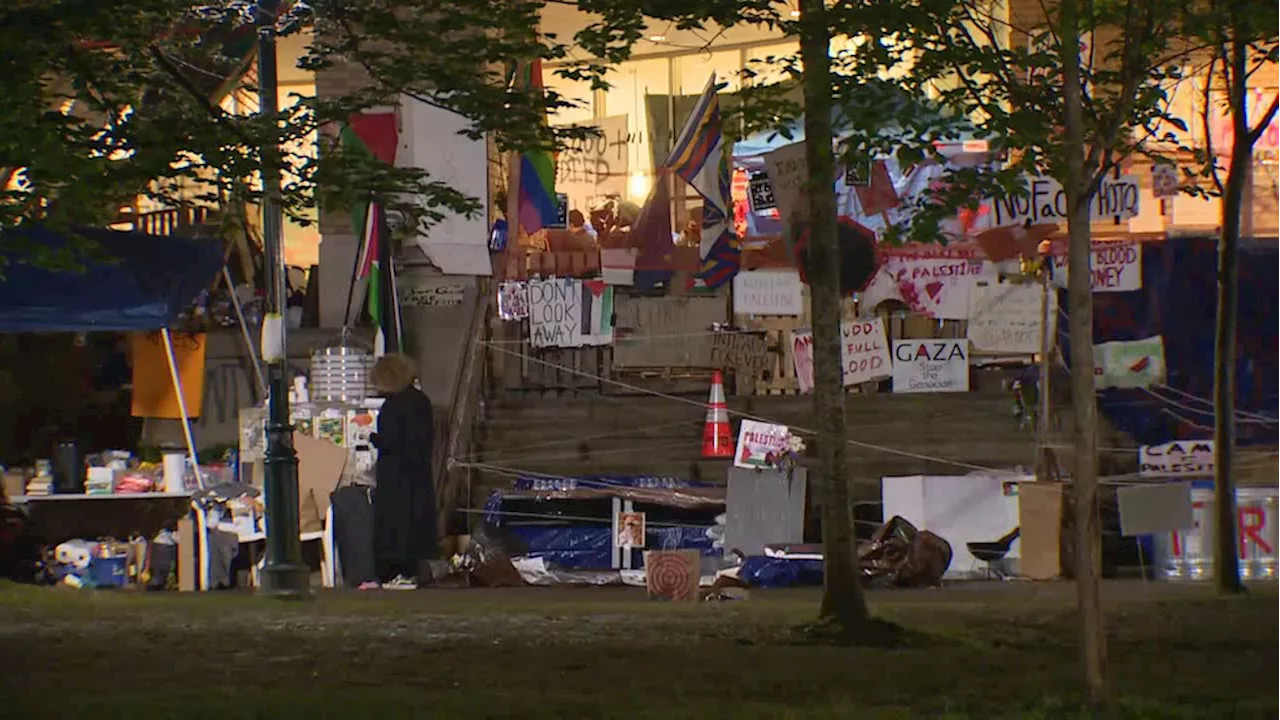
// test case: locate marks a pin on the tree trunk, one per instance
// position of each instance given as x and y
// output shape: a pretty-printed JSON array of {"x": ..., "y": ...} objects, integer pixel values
[
  {"x": 1087, "y": 528},
  {"x": 1226, "y": 563},
  {"x": 842, "y": 598}
]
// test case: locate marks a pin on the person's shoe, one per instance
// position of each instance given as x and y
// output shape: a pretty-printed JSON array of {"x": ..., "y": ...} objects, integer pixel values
[
  {"x": 400, "y": 583},
  {"x": 370, "y": 585}
]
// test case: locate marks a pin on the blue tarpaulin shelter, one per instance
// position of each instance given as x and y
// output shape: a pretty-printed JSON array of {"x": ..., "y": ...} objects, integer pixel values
[
  {"x": 134, "y": 281},
  {"x": 1178, "y": 301}
]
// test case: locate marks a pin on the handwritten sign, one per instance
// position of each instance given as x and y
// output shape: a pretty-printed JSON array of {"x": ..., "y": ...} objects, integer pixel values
[
  {"x": 864, "y": 354},
  {"x": 742, "y": 352},
  {"x": 927, "y": 366},
  {"x": 590, "y": 169},
  {"x": 788, "y": 174},
  {"x": 570, "y": 313},
  {"x": 768, "y": 292},
  {"x": 432, "y": 294},
  {"x": 756, "y": 440},
  {"x": 1046, "y": 202},
  {"x": 1114, "y": 267},
  {"x": 1181, "y": 458},
  {"x": 513, "y": 301},
  {"x": 938, "y": 287},
  {"x": 1129, "y": 364},
  {"x": 1006, "y": 317}
]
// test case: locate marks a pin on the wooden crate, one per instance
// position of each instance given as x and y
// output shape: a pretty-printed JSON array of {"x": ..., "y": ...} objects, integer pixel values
[{"x": 780, "y": 369}]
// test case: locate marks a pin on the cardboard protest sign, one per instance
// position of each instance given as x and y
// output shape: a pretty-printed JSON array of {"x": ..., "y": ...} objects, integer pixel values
[
  {"x": 864, "y": 353},
  {"x": 570, "y": 313},
  {"x": 1181, "y": 458},
  {"x": 768, "y": 292},
  {"x": 1006, "y": 317},
  {"x": 740, "y": 352}
]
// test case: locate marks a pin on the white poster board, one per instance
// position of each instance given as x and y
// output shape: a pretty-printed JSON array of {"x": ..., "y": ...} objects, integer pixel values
[
  {"x": 756, "y": 440},
  {"x": 937, "y": 287},
  {"x": 1180, "y": 458},
  {"x": 864, "y": 353},
  {"x": 768, "y": 292},
  {"x": 1114, "y": 267},
  {"x": 1006, "y": 317},
  {"x": 570, "y": 313},
  {"x": 930, "y": 366}
]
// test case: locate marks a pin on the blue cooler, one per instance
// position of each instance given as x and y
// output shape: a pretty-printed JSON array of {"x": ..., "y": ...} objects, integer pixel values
[{"x": 109, "y": 572}]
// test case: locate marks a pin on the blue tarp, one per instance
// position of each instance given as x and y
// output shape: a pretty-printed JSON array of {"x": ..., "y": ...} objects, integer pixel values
[
  {"x": 1178, "y": 301},
  {"x": 134, "y": 281}
]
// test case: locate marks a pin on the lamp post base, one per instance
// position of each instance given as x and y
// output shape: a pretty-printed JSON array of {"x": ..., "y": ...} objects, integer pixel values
[{"x": 285, "y": 581}]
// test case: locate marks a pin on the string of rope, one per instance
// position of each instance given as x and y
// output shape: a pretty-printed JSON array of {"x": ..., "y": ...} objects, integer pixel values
[{"x": 748, "y": 416}]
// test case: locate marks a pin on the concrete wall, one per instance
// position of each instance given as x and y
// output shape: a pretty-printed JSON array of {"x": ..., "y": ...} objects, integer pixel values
[{"x": 229, "y": 385}]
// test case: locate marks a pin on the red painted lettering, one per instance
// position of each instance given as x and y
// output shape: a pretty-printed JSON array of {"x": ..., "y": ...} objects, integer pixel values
[{"x": 1251, "y": 528}]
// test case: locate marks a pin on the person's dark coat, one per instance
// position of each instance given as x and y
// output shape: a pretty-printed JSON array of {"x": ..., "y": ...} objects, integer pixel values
[{"x": 405, "y": 499}]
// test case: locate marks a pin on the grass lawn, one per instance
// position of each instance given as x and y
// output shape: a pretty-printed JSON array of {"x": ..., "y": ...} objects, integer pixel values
[{"x": 984, "y": 651}]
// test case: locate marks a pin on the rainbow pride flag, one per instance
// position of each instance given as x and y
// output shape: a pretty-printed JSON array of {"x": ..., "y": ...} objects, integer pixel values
[{"x": 537, "y": 208}]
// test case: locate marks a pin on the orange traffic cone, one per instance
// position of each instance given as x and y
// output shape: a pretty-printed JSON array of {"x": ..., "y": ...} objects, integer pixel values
[{"x": 716, "y": 439}]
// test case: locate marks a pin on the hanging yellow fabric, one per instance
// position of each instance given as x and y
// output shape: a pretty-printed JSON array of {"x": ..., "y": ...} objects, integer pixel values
[{"x": 153, "y": 394}]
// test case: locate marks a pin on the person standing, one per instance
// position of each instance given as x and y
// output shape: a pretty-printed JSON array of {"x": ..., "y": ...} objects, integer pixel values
[{"x": 404, "y": 501}]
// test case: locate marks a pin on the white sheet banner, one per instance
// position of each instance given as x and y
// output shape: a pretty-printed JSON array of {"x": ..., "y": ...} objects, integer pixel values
[
  {"x": 1046, "y": 202},
  {"x": 937, "y": 287}
]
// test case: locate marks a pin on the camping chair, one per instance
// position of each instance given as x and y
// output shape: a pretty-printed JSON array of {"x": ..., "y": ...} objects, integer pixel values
[
  {"x": 993, "y": 554},
  {"x": 325, "y": 537}
]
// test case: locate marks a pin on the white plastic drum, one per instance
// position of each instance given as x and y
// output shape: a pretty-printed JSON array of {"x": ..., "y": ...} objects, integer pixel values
[{"x": 1188, "y": 555}]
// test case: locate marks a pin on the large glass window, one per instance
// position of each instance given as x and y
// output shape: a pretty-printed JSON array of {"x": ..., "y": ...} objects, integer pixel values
[
  {"x": 578, "y": 91},
  {"x": 631, "y": 86},
  {"x": 692, "y": 71}
]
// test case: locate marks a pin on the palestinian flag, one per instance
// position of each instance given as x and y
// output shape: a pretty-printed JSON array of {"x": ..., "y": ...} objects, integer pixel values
[{"x": 374, "y": 135}]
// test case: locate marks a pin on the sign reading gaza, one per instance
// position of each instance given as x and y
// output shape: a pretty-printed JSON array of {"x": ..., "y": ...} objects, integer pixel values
[{"x": 930, "y": 366}]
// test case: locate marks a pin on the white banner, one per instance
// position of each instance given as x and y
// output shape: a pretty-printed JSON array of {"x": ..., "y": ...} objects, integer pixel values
[
  {"x": 1006, "y": 317},
  {"x": 1181, "y": 458},
  {"x": 937, "y": 287},
  {"x": 864, "y": 353},
  {"x": 1114, "y": 266},
  {"x": 756, "y": 440},
  {"x": 590, "y": 169},
  {"x": 768, "y": 292},
  {"x": 929, "y": 366},
  {"x": 1129, "y": 364},
  {"x": 1046, "y": 202}
]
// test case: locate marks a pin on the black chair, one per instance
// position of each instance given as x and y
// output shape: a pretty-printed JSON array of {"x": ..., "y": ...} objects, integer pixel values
[{"x": 992, "y": 553}]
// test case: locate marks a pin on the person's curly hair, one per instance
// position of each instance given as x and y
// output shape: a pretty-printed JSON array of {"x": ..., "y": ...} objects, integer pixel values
[{"x": 392, "y": 373}]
